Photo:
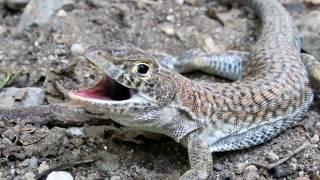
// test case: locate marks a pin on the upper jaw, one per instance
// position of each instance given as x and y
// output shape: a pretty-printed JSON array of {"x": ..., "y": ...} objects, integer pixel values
[{"x": 107, "y": 90}]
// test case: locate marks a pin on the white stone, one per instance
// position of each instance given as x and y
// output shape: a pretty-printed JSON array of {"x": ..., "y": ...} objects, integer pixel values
[{"x": 59, "y": 175}]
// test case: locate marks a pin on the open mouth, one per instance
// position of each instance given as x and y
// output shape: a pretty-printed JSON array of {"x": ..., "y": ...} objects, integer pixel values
[{"x": 106, "y": 89}]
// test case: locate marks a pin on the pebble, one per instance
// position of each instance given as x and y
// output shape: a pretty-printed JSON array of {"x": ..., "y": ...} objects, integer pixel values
[
  {"x": 25, "y": 163},
  {"x": 272, "y": 157},
  {"x": 251, "y": 173},
  {"x": 94, "y": 176},
  {"x": 301, "y": 173},
  {"x": 3, "y": 29},
  {"x": 115, "y": 178},
  {"x": 39, "y": 12},
  {"x": 75, "y": 131},
  {"x": 315, "y": 139},
  {"x": 218, "y": 167},
  {"x": 167, "y": 28},
  {"x": 43, "y": 167},
  {"x": 180, "y": 2},
  {"x": 33, "y": 163},
  {"x": 31, "y": 96},
  {"x": 318, "y": 125},
  {"x": 282, "y": 171},
  {"x": 170, "y": 18},
  {"x": 16, "y": 5},
  {"x": 109, "y": 162},
  {"x": 6, "y": 141},
  {"x": 62, "y": 13},
  {"x": 29, "y": 176},
  {"x": 59, "y": 175},
  {"x": 12, "y": 172},
  {"x": 77, "y": 49}
]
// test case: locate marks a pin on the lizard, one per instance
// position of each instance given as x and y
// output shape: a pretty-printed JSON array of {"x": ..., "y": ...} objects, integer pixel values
[{"x": 270, "y": 91}]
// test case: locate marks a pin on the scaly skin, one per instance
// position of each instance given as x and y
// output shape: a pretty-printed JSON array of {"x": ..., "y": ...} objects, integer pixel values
[{"x": 270, "y": 94}]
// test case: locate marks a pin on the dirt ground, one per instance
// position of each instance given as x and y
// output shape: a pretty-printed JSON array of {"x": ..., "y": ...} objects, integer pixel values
[{"x": 44, "y": 56}]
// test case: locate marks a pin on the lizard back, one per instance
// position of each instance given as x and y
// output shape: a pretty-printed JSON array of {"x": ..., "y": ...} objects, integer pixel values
[{"x": 275, "y": 84}]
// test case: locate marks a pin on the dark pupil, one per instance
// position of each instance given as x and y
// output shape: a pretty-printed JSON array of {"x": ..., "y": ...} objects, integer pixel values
[{"x": 143, "y": 69}]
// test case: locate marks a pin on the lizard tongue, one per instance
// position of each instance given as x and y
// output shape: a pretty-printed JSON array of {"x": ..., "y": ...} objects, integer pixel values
[{"x": 105, "y": 89}]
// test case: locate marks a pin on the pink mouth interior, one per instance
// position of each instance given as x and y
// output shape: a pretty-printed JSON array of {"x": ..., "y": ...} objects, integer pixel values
[{"x": 106, "y": 89}]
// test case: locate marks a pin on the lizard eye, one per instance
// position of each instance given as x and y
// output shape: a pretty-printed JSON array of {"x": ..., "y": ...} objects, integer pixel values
[{"x": 142, "y": 68}]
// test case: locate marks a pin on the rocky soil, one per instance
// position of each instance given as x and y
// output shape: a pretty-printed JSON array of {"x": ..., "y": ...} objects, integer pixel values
[{"x": 41, "y": 43}]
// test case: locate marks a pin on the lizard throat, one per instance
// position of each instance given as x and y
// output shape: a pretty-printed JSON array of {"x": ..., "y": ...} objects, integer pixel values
[{"x": 106, "y": 89}]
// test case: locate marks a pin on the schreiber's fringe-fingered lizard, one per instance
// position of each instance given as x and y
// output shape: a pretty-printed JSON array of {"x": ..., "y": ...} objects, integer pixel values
[{"x": 270, "y": 91}]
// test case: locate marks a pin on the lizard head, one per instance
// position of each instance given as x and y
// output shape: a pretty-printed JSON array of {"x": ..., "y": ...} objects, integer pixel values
[{"x": 130, "y": 76}]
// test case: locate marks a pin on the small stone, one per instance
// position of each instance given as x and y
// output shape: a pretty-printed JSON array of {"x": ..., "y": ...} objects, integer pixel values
[
  {"x": 6, "y": 141},
  {"x": 301, "y": 173},
  {"x": 318, "y": 123},
  {"x": 80, "y": 177},
  {"x": 62, "y": 13},
  {"x": 272, "y": 157},
  {"x": 281, "y": 171},
  {"x": 170, "y": 18},
  {"x": 109, "y": 162},
  {"x": 315, "y": 139},
  {"x": 3, "y": 29},
  {"x": 93, "y": 176},
  {"x": 240, "y": 168},
  {"x": 294, "y": 166},
  {"x": 75, "y": 131},
  {"x": 29, "y": 176},
  {"x": 115, "y": 178},
  {"x": 25, "y": 163},
  {"x": 31, "y": 96},
  {"x": 251, "y": 172},
  {"x": 61, "y": 175},
  {"x": 180, "y": 2},
  {"x": 77, "y": 49},
  {"x": 33, "y": 163},
  {"x": 39, "y": 12},
  {"x": 218, "y": 167},
  {"x": 12, "y": 172},
  {"x": 16, "y": 5},
  {"x": 167, "y": 28},
  {"x": 43, "y": 167}
]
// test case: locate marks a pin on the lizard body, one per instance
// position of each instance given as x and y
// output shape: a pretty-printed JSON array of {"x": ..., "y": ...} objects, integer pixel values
[{"x": 270, "y": 91}]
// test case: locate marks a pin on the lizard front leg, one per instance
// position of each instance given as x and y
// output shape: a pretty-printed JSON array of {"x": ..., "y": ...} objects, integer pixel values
[{"x": 200, "y": 157}]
